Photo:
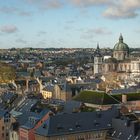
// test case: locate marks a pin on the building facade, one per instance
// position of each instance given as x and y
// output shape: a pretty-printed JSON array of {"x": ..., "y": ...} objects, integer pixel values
[
  {"x": 77, "y": 126},
  {"x": 6, "y": 121}
]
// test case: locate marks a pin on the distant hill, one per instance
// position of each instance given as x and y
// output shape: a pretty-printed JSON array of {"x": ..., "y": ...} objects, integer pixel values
[{"x": 7, "y": 73}]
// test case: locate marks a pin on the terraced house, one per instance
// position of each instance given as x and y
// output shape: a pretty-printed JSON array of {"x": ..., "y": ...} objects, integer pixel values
[{"x": 5, "y": 123}]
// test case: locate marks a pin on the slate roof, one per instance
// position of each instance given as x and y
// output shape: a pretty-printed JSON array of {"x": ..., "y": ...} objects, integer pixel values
[
  {"x": 2, "y": 113},
  {"x": 8, "y": 96},
  {"x": 4, "y": 86},
  {"x": 22, "y": 112},
  {"x": 69, "y": 106},
  {"x": 78, "y": 86},
  {"x": 33, "y": 118},
  {"x": 77, "y": 122},
  {"x": 23, "y": 74},
  {"x": 125, "y": 129},
  {"x": 46, "y": 79},
  {"x": 24, "y": 115},
  {"x": 95, "y": 80},
  {"x": 37, "y": 73},
  {"x": 49, "y": 87},
  {"x": 2, "y": 106},
  {"x": 33, "y": 82},
  {"x": 128, "y": 90}
]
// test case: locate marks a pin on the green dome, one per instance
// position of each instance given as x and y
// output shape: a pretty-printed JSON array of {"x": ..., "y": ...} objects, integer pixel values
[{"x": 121, "y": 46}]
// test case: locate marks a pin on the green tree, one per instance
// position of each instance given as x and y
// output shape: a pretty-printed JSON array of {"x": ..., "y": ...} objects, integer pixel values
[{"x": 7, "y": 73}]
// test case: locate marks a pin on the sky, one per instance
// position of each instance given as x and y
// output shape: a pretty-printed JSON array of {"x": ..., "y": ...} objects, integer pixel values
[{"x": 68, "y": 23}]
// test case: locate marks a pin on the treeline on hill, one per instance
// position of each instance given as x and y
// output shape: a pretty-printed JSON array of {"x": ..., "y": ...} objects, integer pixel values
[{"x": 7, "y": 73}]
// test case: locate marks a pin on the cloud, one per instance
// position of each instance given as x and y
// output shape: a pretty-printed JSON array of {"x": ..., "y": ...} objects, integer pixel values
[
  {"x": 137, "y": 31},
  {"x": 70, "y": 21},
  {"x": 85, "y": 3},
  {"x": 53, "y": 4},
  {"x": 123, "y": 9},
  {"x": 93, "y": 32},
  {"x": 120, "y": 9},
  {"x": 8, "y": 29},
  {"x": 114, "y": 12},
  {"x": 14, "y": 10},
  {"x": 46, "y": 4},
  {"x": 41, "y": 33},
  {"x": 41, "y": 44},
  {"x": 21, "y": 41},
  {"x": 8, "y": 10},
  {"x": 23, "y": 13},
  {"x": 98, "y": 31}
]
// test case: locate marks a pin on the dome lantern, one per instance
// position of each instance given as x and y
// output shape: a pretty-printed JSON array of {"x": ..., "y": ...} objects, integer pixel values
[{"x": 121, "y": 38}]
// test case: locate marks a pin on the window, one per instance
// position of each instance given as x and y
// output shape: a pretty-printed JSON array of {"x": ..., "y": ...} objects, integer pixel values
[
  {"x": 7, "y": 134},
  {"x": 6, "y": 120},
  {"x": 2, "y": 127}
]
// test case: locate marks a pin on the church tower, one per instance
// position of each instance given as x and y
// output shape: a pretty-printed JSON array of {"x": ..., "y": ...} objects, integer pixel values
[{"x": 97, "y": 61}]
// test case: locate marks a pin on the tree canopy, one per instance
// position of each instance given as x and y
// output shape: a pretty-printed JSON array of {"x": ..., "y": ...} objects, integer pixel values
[{"x": 7, "y": 73}]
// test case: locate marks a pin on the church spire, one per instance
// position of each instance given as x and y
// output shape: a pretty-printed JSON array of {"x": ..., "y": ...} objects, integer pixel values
[
  {"x": 121, "y": 38},
  {"x": 97, "y": 52},
  {"x": 98, "y": 48}
]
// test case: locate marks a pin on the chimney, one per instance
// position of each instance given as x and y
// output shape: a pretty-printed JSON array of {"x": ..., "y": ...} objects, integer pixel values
[
  {"x": 27, "y": 85},
  {"x": 124, "y": 98},
  {"x": 97, "y": 86}
]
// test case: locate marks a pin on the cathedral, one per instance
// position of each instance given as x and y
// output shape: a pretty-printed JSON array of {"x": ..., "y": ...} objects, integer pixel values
[{"x": 120, "y": 62}]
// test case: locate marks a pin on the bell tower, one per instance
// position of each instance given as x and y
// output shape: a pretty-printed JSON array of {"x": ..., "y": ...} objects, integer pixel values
[{"x": 98, "y": 60}]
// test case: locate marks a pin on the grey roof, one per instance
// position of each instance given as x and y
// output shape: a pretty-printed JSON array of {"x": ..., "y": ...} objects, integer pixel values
[
  {"x": 5, "y": 86},
  {"x": 33, "y": 118},
  {"x": 95, "y": 80},
  {"x": 66, "y": 87},
  {"x": 24, "y": 110},
  {"x": 25, "y": 116},
  {"x": 2, "y": 113},
  {"x": 2, "y": 106},
  {"x": 77, "y": 122},
  {"x": 47, "y": 79},
  {"x": 78, "y": 86},
  {"x": 49, "y": 87},
  {"x": 128, "y": 90},
  {"x": 69, "y": 106},
  {"x": 125, "y": 129},
  {"x": 8, "y": 96},
  {"x": 37, "y": 73},
  {"x": 23, "y": 74}
]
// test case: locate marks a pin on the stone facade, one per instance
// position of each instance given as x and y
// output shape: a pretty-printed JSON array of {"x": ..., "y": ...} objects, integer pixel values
[{"x": 93, "y": 135}]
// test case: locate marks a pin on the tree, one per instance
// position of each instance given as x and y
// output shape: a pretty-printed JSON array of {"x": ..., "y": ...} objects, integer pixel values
[{"x": 7, "y": 73}]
